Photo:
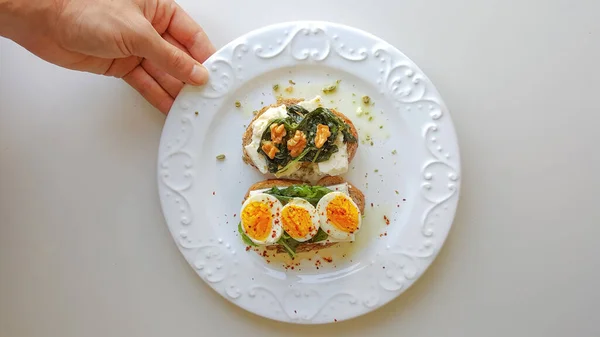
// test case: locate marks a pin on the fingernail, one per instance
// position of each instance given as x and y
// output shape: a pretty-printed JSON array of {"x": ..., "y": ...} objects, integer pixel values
[{"x": 199, "y": 75}]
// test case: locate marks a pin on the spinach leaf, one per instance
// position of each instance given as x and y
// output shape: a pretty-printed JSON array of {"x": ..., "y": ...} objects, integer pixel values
[
  {"x": 245, "y": 237},
  {"x": 296, "y": 113},
  {"x": 291, "y": 163},
  {"x": 307, "y": 122},
  {"x": 282, "y": 157},
  {"x": 336, "y": 125},
  {"x": 309, "y": 193}
]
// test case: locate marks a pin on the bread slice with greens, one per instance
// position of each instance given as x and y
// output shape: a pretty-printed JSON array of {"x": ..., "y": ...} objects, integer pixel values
[
  {"x": 300, "y": 139},
  {"x": 292, "y": 216}
]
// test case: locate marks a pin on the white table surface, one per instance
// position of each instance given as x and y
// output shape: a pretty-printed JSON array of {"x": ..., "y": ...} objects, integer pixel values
[{"x": 84, "y": 250}]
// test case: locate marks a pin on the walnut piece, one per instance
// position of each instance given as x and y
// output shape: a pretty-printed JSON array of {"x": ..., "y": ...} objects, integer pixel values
[
  {"x": 270, "y": 149},
  {"x": 322, "y": 134},
  {"x": 296, "y": 144},
  {"x": 277, "y": 133}
]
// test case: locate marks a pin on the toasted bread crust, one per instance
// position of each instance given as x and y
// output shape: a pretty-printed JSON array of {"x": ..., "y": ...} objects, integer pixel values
[
  {"x": 357, "y": 196},
  {"x": 247, "y": 136}
]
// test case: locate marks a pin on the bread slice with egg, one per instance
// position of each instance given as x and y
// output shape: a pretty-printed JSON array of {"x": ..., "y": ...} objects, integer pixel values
[
  {"x": 307, "y": 171},
  {"x": 353, "y": 192}
]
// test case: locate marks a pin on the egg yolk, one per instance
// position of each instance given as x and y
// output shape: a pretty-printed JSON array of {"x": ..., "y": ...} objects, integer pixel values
[
  {"x": 256, "y": 219},
  {"x": 296, "y": 221},
  {"x": 343, "y": 214}
]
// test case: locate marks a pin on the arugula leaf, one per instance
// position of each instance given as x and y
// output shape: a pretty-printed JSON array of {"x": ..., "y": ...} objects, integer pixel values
[
  {"x": 309, "y": 193},
  {"x": 320, "y": 236},
  {"x": 245, "y": 237},
  {"x": 289, "y": 244}
]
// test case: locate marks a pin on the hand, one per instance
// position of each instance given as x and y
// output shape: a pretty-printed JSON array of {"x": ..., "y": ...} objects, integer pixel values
[{"x": 152, "y": 44}]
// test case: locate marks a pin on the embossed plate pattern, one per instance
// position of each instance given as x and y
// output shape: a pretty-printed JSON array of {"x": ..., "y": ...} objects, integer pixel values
[{"x": 410, "y": 172}]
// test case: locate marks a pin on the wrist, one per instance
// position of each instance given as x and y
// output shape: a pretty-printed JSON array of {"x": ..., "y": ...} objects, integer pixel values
[{"x": 19, "y": 17}]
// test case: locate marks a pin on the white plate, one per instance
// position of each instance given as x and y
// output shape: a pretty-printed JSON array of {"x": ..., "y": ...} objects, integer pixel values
[{"x": 416, "y": 188}]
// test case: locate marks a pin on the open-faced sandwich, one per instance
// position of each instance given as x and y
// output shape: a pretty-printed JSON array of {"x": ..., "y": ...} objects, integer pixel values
[
  {"x": 292, "y": 216},
  {"x": 300, "y": 140}
]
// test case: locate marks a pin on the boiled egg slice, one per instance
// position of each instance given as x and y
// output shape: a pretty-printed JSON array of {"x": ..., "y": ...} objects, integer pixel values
[
  {"x": 299, "y": 219},
  {"x": 339, "y": 215},
  {"x": 261, "y": 219}
]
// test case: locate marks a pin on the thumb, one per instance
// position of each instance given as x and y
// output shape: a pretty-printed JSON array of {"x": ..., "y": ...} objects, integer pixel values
[{"x": 171, "y": 59}]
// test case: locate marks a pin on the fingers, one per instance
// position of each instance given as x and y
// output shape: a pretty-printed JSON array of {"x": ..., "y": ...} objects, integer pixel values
[
  {"x": 185, "y": 30},
  {"x": 120, "y": 67},
  {"x": 174, "y": 42},
  {"x": 171, "y": 85},
  {"x": 141, "y": 81},
  {"x": 170, "y": 58}
]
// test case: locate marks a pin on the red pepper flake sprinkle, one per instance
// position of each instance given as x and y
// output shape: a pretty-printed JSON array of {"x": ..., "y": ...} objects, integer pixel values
[
  {"x": 234, "y": 215},
  {"x": 403, "y": 199},
  {"x": 387, "y": 221},
  {"x": 268, "y": 261},
  {"x": 318, "y": 264},
  {"x": 213, "y": 192},
  {"x": 247, "y": 248},
  {"x": 335, "y": 320},
  {"x": 328, "y": 259},
  {"x": 371, "y": 204}
]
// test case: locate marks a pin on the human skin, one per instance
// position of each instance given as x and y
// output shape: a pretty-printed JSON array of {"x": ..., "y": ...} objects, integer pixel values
[{"x": 154, "y": 45}]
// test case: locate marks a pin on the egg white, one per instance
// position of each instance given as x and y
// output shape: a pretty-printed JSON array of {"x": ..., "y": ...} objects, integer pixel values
[
  {"x": 299, "y": 202},
  {"x": 276, "y": 228},
  {"x": 333, "y": 231}
]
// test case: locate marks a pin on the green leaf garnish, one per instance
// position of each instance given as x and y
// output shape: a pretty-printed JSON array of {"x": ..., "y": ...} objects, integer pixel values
[
  {"x": 309, "y": 193},
  {"x": 320, "y": 236},
  {"x": 245, "y": 237},
  {"x": 299, "y": 119},
  {"x": 288, "y": 244}
]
